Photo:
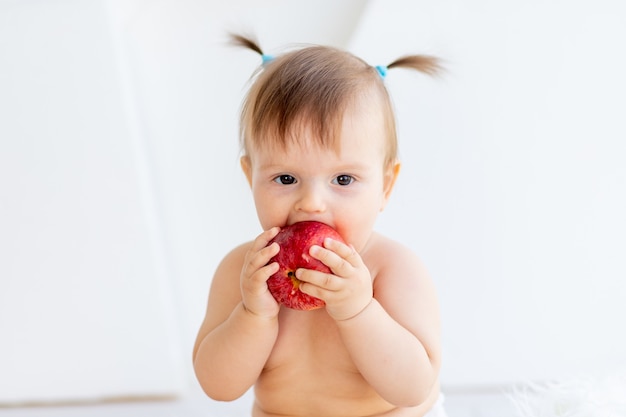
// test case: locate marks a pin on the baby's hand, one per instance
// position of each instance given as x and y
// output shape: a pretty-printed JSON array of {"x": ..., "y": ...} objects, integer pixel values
[
  {"x": 348, "y": 290},
  {"x": 255, "y": 295}
]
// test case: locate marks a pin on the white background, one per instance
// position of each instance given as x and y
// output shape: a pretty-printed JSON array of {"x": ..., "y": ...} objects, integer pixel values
[{"x": 120, "y": 187}]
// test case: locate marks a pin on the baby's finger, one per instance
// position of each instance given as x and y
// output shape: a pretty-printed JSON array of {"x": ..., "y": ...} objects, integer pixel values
[
  {"x": 331, "y": 259},
  {"x": 317, "y": 279},
  {"x": 344, "y": 251},
  {"x": 263, "y": 256},
  {"x": 261, "y": 275},
  {"x": 264, "y": 238}
]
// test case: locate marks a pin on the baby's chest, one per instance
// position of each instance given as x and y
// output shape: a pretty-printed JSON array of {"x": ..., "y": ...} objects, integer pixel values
[{"x": 309, "y": 339}]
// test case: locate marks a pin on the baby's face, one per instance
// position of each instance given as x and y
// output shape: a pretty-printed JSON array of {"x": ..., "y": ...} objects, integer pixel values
[{"x": 345, "y": 188}]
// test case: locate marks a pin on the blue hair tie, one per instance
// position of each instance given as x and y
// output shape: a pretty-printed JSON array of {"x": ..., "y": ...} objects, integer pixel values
[
  {"x": 267, "y": 59},
  {"x": 382, "y": 70}
]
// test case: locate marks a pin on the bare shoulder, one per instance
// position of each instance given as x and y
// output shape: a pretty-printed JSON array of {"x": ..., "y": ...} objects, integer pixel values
[
  {"x": 386, "y": 256},
  {"x": 225, "y": 283},
  {"x": 232, "y": 260}
]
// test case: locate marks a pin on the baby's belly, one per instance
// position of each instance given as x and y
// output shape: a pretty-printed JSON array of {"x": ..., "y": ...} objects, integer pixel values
[{"x": 316, "y": 392}]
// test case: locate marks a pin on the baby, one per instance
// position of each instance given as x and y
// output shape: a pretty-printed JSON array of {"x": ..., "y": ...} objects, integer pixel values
[{"x": 319, "y": 143}]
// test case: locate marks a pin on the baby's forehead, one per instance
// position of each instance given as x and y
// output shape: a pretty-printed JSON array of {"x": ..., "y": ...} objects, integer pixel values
[
  {"x": 342, "y": 141},
  {"x": 310, "y": 155}
]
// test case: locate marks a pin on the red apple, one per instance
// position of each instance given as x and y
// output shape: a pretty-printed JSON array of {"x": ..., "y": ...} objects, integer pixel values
[{"x": 295, "y": 241}]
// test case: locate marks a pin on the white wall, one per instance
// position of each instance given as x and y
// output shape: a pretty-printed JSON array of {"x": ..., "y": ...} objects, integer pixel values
[
  {"x": 85, "y": 304},
  {"x": 512, "y": 189}
]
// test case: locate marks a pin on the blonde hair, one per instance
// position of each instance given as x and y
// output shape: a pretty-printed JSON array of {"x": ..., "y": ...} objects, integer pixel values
[{"x": 312, "y": 87}]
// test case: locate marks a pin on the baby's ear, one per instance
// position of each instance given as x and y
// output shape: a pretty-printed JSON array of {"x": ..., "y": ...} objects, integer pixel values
[
  {"x": 389, "y": 180},
  {"x": 246, "y": 166}
]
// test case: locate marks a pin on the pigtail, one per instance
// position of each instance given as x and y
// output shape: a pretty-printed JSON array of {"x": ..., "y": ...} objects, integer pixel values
[
  {"x": 250, "y": 43},
  {"x": 426, "y": 64},
  {"x": 245, "y": 42}
]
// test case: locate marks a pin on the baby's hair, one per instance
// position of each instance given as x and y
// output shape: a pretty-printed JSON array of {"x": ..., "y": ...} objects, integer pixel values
[
  {"x": 311, "y": 87},
  {"x": 245, "y": 42},
  {"x": 423, "y": 63}
]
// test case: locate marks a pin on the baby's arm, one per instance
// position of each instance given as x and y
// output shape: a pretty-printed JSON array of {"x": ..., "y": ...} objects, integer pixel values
[
  {"x": 394, "y": 340},
  {"x": 237, "y": 336}
]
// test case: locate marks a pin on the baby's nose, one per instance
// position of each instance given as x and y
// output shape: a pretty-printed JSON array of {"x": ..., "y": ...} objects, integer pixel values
[{"x": 311, "y": 200}]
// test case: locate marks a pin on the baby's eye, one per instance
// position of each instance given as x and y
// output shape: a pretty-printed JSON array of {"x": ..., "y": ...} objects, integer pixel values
[
  {"x": 344, "y": 180},
  {"x": 285, "y": 179}
]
